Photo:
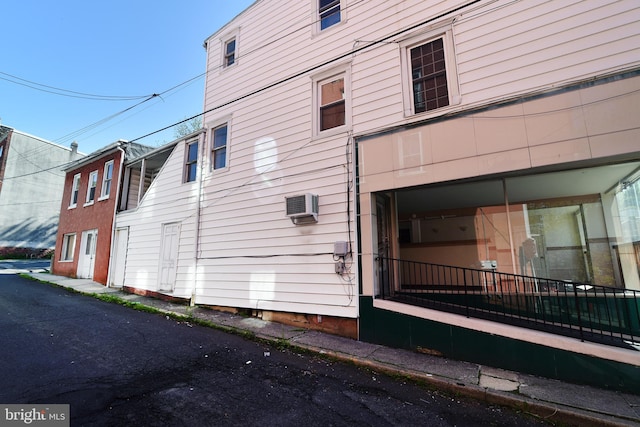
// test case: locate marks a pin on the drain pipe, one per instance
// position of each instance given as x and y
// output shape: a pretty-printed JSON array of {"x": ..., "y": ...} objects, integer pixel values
[
  {"x": 115, "y": 211},
  {"x": 199, "y": 178}
]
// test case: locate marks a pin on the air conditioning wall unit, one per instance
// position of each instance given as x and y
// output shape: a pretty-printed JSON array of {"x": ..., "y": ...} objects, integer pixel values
[{"x": 302, "y": 208}]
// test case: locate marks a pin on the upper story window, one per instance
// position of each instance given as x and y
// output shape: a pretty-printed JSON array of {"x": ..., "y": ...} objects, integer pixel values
[
  {"x": 331, "y": 101},
  {"x": 75, "y": 189},
  {"x": 429, "y": 76},
  {"x": 230, "y": 52},
  {"x": 328, "y": 13},
  {"x": 91, "y": 188},
  {"x": 228, "y": 44},
  {"x": 191, "y": 164},
  {"x": 431, "y": 81},
  {"x": 107, "y": 179},
  {"x": 219, "y": 147}
]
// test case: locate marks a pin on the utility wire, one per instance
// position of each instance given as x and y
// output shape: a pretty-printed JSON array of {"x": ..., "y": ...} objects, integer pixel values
[
  {"x": 75, "y": 94},
  {"x": 162, "y": 96},
  {"x": 87, "y": 128},
  {"x": 66, "y": 92},
  {"x": 26, "y": 159}
]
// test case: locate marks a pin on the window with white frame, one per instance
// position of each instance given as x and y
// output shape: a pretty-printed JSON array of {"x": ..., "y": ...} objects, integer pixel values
[
  {"x": 228, "y": 45},
  {"x": 219, "y": 147},
  {"x": 68, "y": 247},
  {"x": 331, "y": 100},
  {"x": 431, "y": 81},
  {"x": 332, "y": 103},
  {"x": 328, "y": 13},
  {"x": 75, "y": 189},
  {"x": 107, "y": 179},
  {"x": 191, "y": 162},
  {"x": 229, "y": 52},
  {"x": 91, "y": 187},
  {"x": 429, "y": 76}
]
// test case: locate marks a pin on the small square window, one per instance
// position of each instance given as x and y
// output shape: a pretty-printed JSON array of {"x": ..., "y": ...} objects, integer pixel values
[
  {"x": 219, "y": 148},
  {"x": 68, "y": 247},
  {"x": 191, "y": 166}
]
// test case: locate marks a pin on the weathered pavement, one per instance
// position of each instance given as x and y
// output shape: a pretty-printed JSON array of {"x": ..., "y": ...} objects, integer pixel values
[{"x": 552, "y": 400}]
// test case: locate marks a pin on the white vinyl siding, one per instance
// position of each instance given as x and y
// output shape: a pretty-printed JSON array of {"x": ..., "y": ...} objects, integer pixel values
[
  {"x": 252, "y": 255},
  {"x": 502, "y": 50},
  {"x": 249, "y": 253},
  {"x": 168, "y": 200},
  {"x": 539, "y": 42}
]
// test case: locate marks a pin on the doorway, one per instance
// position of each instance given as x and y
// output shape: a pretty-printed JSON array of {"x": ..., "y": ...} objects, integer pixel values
[
  {"x": 169, "y": 256},
  {"x": 120, "y": 256},
  {"x": 383, "y": 231},
  {"x": 86, "y": 260}
]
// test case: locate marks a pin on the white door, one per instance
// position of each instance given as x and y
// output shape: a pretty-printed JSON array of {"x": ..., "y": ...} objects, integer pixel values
[
  {"x": 86, "y": 260},
  {"x": 169, "y": 256},
  {"x": 120, "y": 256}
]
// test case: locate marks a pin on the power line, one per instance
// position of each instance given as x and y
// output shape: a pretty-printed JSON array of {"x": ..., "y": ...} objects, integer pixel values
[
  {"x": 87, "y": 128},
  {"x": 61, "y": 166},
  {"x": 186, "y": 83},
  {"x": 70, "y": 93},
  {"x": 26, "y": 159},
  {"x": 66, "y": 92}
]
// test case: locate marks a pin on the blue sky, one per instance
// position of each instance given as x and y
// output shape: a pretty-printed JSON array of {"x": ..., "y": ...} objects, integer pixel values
[{"x": 116, "y": 48}]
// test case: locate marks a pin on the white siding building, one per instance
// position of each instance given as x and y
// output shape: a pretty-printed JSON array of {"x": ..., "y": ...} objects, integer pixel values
[
  {"x": 456, "y": 133},
  {"x": 499, "y": 164}
]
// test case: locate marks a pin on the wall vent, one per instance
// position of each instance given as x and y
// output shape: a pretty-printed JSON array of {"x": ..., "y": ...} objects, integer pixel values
[{"x": 302, "y": 208}]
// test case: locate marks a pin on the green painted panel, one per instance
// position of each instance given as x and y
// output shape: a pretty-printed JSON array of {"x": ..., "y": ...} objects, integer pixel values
[{"x": 399, "y": 330}]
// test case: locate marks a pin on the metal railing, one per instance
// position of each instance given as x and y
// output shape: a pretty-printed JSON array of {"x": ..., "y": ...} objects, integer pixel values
[{"x": 589, "y": 312}]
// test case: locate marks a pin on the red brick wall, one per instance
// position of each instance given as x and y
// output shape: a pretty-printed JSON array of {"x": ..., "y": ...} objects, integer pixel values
[{"x": 98, "y": 216}]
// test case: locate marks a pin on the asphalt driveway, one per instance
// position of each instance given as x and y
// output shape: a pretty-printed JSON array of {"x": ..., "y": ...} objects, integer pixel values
[{"x": 117, "y": 366}]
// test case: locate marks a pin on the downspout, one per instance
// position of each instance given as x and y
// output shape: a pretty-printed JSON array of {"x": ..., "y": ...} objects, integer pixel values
[
  {"x": 143, "y": 174},
  {"x": 201, "y": 141},
  {"x": 115, "y": 211}
]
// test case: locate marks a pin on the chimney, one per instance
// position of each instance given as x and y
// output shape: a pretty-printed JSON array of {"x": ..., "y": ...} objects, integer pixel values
[{"x": 74, "y": 149}]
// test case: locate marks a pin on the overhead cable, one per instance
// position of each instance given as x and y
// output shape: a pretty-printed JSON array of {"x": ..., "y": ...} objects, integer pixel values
[{"x": 66, "y": 92}]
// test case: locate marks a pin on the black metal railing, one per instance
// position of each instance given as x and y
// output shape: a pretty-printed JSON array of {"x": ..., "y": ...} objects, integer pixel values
[{"x": 589, "y": 312}]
